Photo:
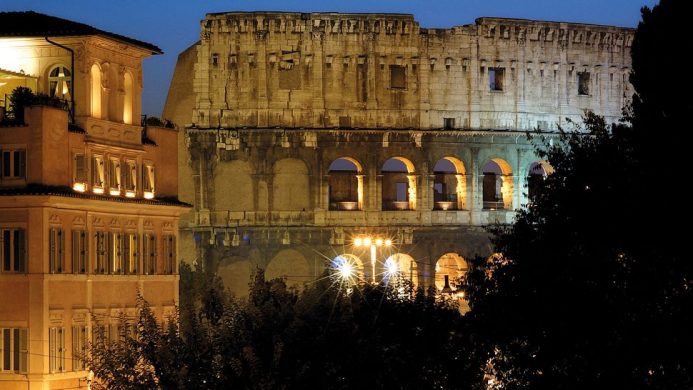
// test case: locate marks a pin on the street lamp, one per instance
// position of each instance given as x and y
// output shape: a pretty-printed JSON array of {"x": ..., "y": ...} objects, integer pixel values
[{"x": 372, "y": 243}]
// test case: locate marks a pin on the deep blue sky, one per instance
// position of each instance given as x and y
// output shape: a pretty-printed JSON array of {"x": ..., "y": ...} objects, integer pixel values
[{"x": 173, "y": 25}]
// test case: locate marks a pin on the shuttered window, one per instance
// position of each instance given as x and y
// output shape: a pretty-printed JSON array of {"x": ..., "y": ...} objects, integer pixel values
[
  {"x": 56, "y": 349},
  {"x": 79, "y": 251},
  {"x": 56, "y": 249},
  {"x": 14, "y": 350}
]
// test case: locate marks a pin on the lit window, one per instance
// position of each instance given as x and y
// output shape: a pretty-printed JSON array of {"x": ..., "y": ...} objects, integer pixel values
[
  {"x": 98, "y": 175},
  {"x": 13, "y": 163},
  {"x": 79, "y": 347},
  {"x": 583, "y": 83},
  {"x": 56, "y": 349},
  {"x": 114, "y": 177},
  {"x": 13, "y": 255},
  {"x": 59, "y": 82},
  {"x": 14, "y": 350},
  {"x": 79, "y": 173},
  {"x": 127, "y": 99},
  {"x": 79, "y": 251},
  {"x": 496, "y": 78},
  {"x": 56, "y": 245},
  {"x": 148, "y": 180}
]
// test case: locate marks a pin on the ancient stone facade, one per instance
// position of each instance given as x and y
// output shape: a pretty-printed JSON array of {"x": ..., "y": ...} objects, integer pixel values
[{"x": 306, "y": 131}]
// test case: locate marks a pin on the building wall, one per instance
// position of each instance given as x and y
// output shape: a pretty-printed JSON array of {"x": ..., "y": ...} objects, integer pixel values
[{"x": 269, "y": 100}]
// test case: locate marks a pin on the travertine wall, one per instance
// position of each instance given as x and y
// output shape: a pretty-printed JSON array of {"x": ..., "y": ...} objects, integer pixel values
[
  {"x": 309, "y": 70},
  {"x": 270, "y": 100}
]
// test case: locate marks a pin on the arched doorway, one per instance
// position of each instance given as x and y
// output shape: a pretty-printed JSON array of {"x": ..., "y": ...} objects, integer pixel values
[
  {"x": 449, "y": 269},
  {"x": 536, "y": 174},
  {"x": 400, "y": 267},
  {"x": 398, "y": 184},
  {"x": 449, "y": 185},
  {"x": 345, "y": 185},
  {"x": 497, "y": 185}
]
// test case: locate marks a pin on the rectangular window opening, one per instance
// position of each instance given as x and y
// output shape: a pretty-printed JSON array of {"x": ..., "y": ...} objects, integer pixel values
[
  {"x": 496, "y": 78},
  {"x": 398, "y": 77},
  {"x": 583, "y": 83}
]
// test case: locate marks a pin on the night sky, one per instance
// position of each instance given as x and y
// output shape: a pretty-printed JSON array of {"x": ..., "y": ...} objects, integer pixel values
[{"x": 173, "y": 25}]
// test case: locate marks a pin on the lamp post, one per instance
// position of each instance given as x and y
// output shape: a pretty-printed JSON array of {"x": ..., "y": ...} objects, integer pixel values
[{"x": 372, "y": 243}]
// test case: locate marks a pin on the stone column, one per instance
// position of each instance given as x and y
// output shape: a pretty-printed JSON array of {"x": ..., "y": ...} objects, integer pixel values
[
  {"x": 359, "y": 191},
  {"x": 412, "y": 191}
]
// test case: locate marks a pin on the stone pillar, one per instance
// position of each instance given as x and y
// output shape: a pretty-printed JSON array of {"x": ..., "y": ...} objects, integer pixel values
[
  {"x": 412, "y": 191},
  {"x": 461, "y": 191},
  {"x": 359, "y": 191}
]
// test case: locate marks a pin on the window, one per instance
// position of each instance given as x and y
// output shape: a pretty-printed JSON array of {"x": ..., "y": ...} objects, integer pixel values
[
  {"x": 79, "y": 347},
  {"x": 56, "y": 248},
  {"x": 496, "y": 77},
  {"x": 59, "y": 83},
  {"x": 583, "y": 83},
  {"x": 14, "y": 350},
  {"x": 170, "y": 254},
  {"x": 398, "y": 77},
  {"x": 448, "y": 123},
  {"x": 131, "y": 252},
  {"x": 127, "y": 98},
  {"x": 115, "y": 253},
  {"x": 130, "y": 178},
  {"x": 13, "y": 164},
  {"x": 95, "y": 91},
  {"x": 100, "y": 266},
  {"x": 79, "y": 173},
  {"x": 148, "y": 182},
  {"x": 79, "y": 251},
  {"x": 56, "y": 349},
  {"x": 13, "y": 242},
  {"x": 114, "y": 177},
  {"x": 149, "y": 251},
  {"x": 98, "y": 174}
]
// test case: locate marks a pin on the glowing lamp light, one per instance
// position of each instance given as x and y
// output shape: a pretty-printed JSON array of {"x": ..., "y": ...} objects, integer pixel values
[
  {"x": 148, "y": 195},
  {"x": 388, "y": 242},
  {"x": 379, "y": 242},
  {"x": 367, "y": 241},
  {"x": 358, "y": 241},
  {"x": 391, "y": 268},
  {"x": 79, "y": 187},
  {"x": 98, "y": 190},
  {"x": 346, "y": 270}
]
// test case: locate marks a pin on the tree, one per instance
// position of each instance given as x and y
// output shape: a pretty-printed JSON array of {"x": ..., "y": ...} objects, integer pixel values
[{"x": 594, "y": 289}]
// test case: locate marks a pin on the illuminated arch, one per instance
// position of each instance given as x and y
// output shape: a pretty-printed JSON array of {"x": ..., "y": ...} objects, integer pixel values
[
  {"x": 398, "y": 184},
  {"x": 400, "y": 266},
  {"x": 95, "y": 73},
  {"x": 536, "y": 173},
  {"x": 345, "y": 183},
  {"x": 497, "y": 185},
  {"x": 60, "y": 82},
  {"x": 449, "y": 185},
  {"x": 349, "y": 268},
  {"x": 290, "y": 265},
  {"x": 452, "y": 266}
]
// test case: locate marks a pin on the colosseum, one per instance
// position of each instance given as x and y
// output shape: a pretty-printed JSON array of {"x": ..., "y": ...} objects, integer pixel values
[{"x": 315, "y": 138}]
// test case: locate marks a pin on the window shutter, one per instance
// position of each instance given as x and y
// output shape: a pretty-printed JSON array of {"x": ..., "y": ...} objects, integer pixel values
[
  {"x": 61, "y": 350},
  {"x": 19, "y": 250},
  {"x": 83, "y": 252},
  {"x": 61, "y": 245},
  {"x": 52, "y": 350},
  {"x": 23, "y": 351},
  {"x": 80, "y": 169},
  {"x": 20, "y": 163},
  {"x": 51, "y": 250},
  {"x": 127, "y": 253}
]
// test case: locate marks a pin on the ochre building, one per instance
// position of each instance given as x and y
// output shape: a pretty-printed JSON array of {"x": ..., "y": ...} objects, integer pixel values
[
  {"x": 88, "y": 198},
  {"x": 305, "y": 134}
]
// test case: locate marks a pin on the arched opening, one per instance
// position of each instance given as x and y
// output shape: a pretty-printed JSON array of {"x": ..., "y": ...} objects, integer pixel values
[
  {"x": 497, "y": 185},
  {"x": 127, "y": 98},
  {"x": 449, "y": 269},
  {"x": 60, "y": 82},
  {"x": 345, "y": 185},
  {"x": 536, "y": 174},
  {"x": 400, "y": 268},
  {"x": 398, "y": 184},
  {"x": 449, "y": 184},
  {"x": 348, "y": 268},
  {"x": 95, "y": 91},
  {"x": 290, "y": 265}
]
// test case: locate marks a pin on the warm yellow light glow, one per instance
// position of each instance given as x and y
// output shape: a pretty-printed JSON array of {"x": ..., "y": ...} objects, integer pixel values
[
  {"x": 114, "y": 192},
  {"x": 148, "y": 195},
  {"x": 379, "y": 241},
  {"x": 358, "y": 241},
  {"x": 391, "y": 267},
  {"x": 346, "y": 270},
  {"x": 17, "y": 55},
  {"x": 79, "y": 187},
  {"x": 367, "y": 241},
  {"x": 127, "y": 99},
  {"x": 130, "y": 194},
  {"x": 388, "y": 242},
  {"x": 98, "y": 190}
]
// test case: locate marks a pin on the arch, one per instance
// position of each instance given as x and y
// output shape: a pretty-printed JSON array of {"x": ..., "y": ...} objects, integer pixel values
[
  {"x": 290, "y": 265},
  {"x": 450, "y": 266},
  {"x": 398, "y": 184},
  {"x": 290, "y": 185},
  {"x": 128, "y": 96},
  {"x": 349, "y": 263},
  {"x": 497, "y": 185},
  {"x": 536, "y": 173},
  {"x": 233, "y": 186},
  {"x": 449, "y": 184},
  {"x": 400, "y": 267},
  {"x": 236, "y": 276},
  {"x": 60, "y": 82},
  {"x": 95, "y": 73},
  {"x": 345, "y": 184},
  {"x": 113, "y": 84}
]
